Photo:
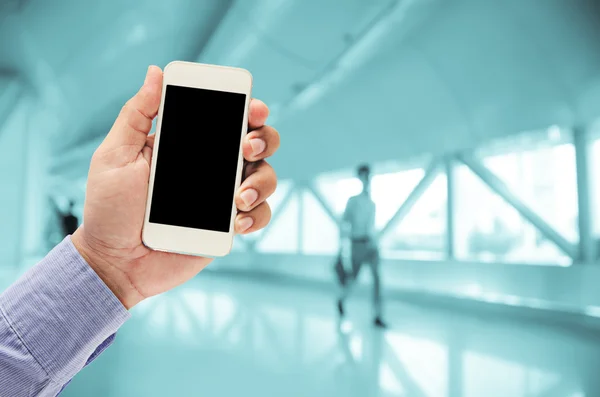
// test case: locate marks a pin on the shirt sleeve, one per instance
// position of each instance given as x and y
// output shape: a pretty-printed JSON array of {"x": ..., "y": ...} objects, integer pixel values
[
  {"x": 348, "y": 210},
  {"x": 373, "y": 229},
  {"x": 54, "y": 320}
]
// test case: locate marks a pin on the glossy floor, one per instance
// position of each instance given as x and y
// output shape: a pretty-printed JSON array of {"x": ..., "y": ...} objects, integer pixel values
[{"x": 221, "y": 337}]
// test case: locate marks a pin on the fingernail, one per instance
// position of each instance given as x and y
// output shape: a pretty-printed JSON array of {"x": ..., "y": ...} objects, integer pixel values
[
  {"x": 245, "y": 223},
  {"x": 258, "y": 146},
  {"x": 249, "y": 196}
]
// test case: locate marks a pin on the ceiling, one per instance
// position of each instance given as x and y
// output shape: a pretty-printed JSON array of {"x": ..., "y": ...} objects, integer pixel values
[{"x": 347, "y": 81}]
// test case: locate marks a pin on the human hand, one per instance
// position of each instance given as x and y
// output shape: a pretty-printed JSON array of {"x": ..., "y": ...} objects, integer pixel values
[{"x": 117, "y": 187}]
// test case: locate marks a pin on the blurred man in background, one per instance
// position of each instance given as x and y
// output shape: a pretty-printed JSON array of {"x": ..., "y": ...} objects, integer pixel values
[
  {"x": 358, "y": 224},
  {"x": 70, "y": 222}
]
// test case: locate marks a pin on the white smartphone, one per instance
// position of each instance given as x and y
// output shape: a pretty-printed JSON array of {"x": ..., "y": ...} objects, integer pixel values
[{"x": 197, "y": 159}]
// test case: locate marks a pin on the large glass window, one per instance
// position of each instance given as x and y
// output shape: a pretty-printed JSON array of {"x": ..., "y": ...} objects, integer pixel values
[
  {"x": 595, "y": 173},
  {"x": 275, "y": 201},
  {"x": 594, "y": 160},
  {"x": 540, "y": 169},
  {"x": 282, "y": 235},
  {"x": 488, "y": 229},
  {"x": 421, "y": 234},
  {"x": 336, "y": 189},
  {"x": 388, "y": 191},
  {"x": 320, "y": 233}
]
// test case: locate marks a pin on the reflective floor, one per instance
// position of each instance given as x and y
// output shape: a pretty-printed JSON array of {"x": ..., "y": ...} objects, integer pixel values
[{"x": 220, "y": 337}]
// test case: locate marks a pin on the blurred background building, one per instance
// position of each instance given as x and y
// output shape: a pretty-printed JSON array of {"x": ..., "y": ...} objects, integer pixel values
[{"x": 479, "y": 119}]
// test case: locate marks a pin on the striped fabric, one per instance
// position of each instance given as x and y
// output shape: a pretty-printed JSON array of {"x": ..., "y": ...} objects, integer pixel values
[{"x": 54, "y": 320}]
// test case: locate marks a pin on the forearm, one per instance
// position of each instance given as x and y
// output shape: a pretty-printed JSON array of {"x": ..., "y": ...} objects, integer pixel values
[
  {"x": 53, "y": 321},
  {"x": 345, "y": 229}
]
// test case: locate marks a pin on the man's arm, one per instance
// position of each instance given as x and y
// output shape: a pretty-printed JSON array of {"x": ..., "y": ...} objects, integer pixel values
[
  {"x": 346, "y": 228},
  {"x": 63, "y": 312},
  {"x": 54, "y": 320},
  {"x": 373, "y": 234},
  {"x": 345, "y": 224}
]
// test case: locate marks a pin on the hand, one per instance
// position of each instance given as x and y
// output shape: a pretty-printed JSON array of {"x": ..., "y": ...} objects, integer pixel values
[{"x": 110, "y": 237}]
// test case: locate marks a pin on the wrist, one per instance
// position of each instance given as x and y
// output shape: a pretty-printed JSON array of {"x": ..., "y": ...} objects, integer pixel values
[{"x": 115, "y": 279}]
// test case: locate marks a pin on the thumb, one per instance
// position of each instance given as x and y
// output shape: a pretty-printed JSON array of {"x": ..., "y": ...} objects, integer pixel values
[{"x": 135, "y": 120}]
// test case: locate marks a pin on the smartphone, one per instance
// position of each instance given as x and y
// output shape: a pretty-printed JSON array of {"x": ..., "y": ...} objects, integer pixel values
[{"x": 197, "y": 159}]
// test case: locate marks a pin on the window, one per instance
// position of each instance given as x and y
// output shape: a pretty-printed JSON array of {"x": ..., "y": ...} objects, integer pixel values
[
  {"x": 594, "y": 158},
  {"x": 488, "y": 229},
  {"x": 388, "y": 191},
  {"x": 275, "y": 201},
  {"x": 540, "y": 169},
  {"x": 336, "y": 190},
  {"x": 282, "y": 235},
  {"x": 320, "y": 233},
  {"x": 421, "y": 234}
]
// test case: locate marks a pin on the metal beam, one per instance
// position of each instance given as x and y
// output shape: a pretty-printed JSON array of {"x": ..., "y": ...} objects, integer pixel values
[
  {"x": 449, "y": 165},
  {"x": 252, "y": 244},
  {"x": 310, "y": 187},
  {"x": 392, "y": 17},
  {"x": 430, "y": 174},
  {"x": 587, "y": 246},
  {"x": 300, "y": 220},
  {"x": 500, "y": 188}
]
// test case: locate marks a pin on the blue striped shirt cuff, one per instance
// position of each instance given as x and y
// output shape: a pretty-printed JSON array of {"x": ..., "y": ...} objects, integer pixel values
[{"x": 62, "y": 312}]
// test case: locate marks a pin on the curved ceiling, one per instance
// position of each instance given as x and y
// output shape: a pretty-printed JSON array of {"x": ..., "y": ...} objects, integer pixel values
[
  {"x": 471, "y": 71},
  {"x": 347, "y": 81}
]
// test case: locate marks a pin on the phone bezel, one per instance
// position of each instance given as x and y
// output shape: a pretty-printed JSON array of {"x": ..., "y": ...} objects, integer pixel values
[{"x": 185, "y": 240}]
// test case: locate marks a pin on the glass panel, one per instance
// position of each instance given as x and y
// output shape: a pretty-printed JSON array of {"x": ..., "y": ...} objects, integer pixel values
[
  {"x": 283, "y": 188},
  {"x": 337, "y": 190},
  {"x": 595, "y": 177},
  {"x": 282, "y": 235},
  {"x": 421, "y": 234},
  {"x": 488, "y": 229},
  {"x": 320, "y": 232},
  {"x": 388, "y": 190},
  {"x": 540, "y": 169}
]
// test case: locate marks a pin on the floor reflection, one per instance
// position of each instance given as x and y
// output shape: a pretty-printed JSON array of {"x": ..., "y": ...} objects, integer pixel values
[{"x": 215, "y": 336}]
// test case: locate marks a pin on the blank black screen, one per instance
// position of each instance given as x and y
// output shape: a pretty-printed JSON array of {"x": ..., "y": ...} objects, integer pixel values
[{"x": 197, "y": 158}]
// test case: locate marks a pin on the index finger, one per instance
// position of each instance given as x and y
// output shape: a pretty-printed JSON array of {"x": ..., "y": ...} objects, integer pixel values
[{"x": 258, "y": 114}]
